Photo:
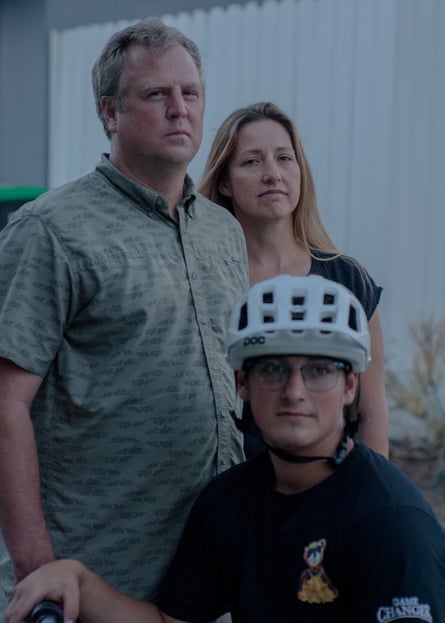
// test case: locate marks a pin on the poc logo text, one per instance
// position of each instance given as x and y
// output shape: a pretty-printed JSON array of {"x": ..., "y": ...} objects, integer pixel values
[{"x": 251, "y": 341}]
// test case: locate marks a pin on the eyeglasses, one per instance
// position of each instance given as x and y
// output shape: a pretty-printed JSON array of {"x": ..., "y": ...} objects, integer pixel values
[{"x": 318, "y": 376}]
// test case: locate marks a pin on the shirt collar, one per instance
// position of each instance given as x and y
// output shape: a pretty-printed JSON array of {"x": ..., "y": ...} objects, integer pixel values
[{"x": 143, "y": 196}]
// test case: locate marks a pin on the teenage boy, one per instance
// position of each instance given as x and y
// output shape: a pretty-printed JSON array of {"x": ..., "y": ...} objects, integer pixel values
[{"x": 317, "y": 529}]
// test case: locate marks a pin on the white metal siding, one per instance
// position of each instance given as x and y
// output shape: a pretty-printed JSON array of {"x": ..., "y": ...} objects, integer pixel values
[{"x": 365, "y": 82}]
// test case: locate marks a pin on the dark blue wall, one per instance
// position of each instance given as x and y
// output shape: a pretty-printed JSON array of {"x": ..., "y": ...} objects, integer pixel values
[{"x": 23, "y": 92}]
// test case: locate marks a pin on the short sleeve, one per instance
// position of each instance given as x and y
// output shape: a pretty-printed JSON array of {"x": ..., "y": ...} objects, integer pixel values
[
  {"x": 35, "y": 293},
  {"x": 350, "y": 273},
  {"x": 396, "y": 568}
]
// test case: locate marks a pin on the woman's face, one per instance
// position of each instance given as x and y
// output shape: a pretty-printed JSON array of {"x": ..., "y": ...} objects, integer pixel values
[{"x": 263, "y": 176}]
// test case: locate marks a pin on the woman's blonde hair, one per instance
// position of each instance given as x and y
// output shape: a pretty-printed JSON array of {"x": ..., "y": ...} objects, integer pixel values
[{"x": 308, "y": 227}]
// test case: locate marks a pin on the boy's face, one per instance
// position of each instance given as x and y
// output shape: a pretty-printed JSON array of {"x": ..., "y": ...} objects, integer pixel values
[{"x": 302, "y": 417}]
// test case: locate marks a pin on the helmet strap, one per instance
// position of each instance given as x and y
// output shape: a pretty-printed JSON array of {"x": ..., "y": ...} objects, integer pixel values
[{"x": 333, "y": 461}]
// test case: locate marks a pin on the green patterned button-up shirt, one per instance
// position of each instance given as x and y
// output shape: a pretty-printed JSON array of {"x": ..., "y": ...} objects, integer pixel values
[{"x": 123, "y": 311}]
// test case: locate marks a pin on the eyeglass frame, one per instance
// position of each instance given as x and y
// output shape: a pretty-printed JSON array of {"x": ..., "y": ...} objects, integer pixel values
[{"x": 250, "y": 364}]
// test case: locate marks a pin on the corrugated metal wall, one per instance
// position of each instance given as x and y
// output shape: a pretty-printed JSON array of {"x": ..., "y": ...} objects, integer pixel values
[{"x": 365, "y": 82}]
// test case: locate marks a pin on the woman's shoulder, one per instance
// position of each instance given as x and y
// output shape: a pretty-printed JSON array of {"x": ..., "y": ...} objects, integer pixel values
[{"x": 349, "y": 272}]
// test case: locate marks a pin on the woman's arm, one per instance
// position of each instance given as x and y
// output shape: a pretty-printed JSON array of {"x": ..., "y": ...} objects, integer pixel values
[{"x": 373, "y": 429}]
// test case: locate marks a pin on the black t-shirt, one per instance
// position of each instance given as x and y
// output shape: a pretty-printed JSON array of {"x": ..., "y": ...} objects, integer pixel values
[
  {"x": 363, "y": 546},
  {"x": 349, "y": 273}
]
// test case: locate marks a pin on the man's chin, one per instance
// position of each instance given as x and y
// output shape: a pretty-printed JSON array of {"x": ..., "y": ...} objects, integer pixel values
[{"x": 180, "y": 154}]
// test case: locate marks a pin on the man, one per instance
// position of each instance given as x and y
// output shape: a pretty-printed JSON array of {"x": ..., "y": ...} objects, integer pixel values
[
  {"x": 116, "y": 401},
  {"x": 318, "y": 528}
]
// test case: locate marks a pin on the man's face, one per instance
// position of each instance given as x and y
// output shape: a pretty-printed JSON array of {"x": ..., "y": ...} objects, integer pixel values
[
  {"x": 160, "y": 118},
  {"x": 294, "y": 417}
]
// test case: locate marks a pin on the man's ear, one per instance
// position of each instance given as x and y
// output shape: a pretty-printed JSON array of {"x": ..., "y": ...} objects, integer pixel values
[
  {"x": 243, "y": 386},
  {"x": 351, "y": 387},
  {"x": 108, "y": 108}
]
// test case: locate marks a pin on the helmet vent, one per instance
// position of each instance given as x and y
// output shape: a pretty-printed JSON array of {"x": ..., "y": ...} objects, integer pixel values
[
  {"x": 353, "y": 318},
  {"x": 329, "y": 299},
  {"x": 328, "y": 320},
  {"x": 242, "y": 317},
  {"x": 268, "y": 297},
  {"x": 298, "y": 315},
  {"x": 268, "y": 319},
  {"x": 298, "y": 300}
]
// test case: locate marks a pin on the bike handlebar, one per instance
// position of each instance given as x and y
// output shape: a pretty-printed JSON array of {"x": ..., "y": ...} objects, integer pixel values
[{"x": 46, "y": 612}]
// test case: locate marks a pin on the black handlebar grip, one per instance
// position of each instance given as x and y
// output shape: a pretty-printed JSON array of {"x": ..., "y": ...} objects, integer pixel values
[{"x": 46, "y": 612}]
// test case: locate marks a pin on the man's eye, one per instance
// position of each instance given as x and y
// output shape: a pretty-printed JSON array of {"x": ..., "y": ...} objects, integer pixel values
[
  {"x": 320, "y": 369},
  {"x": 154, "y": 94},
  {"x": 190, "y": 93},
  {"x": 272, "y": 368}
]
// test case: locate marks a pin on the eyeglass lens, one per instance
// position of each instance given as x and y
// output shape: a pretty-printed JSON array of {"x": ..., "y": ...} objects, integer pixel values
[{"x": 318, "y": 376}]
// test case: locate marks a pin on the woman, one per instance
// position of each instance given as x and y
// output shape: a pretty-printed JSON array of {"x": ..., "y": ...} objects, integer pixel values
[{"x": 258, "y": 170}]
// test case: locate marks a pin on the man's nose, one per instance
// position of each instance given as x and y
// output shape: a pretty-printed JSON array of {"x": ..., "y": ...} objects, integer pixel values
[
  {"x": 176, "y": 105},
  {"x": 295, "y": 385}
]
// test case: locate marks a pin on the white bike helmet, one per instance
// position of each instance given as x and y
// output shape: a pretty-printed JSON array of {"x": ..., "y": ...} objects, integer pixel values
[{"x": 289, "y": 315}]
